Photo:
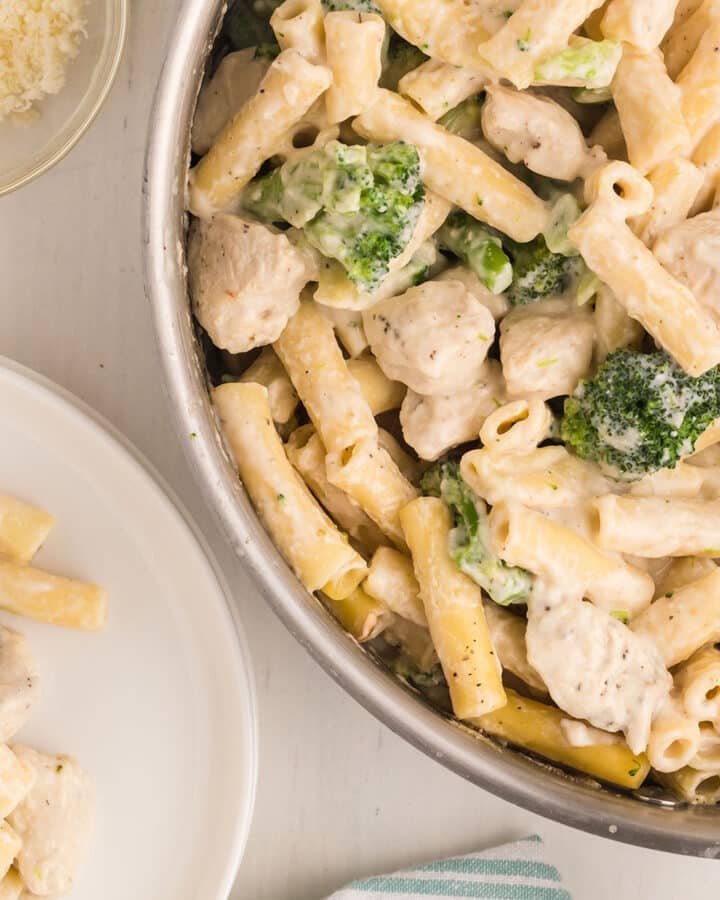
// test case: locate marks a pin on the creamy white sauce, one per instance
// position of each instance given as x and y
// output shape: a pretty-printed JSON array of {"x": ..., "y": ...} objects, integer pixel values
[
  {"x": 579, "y": 734},
  {"x": 594, "y": 667}
]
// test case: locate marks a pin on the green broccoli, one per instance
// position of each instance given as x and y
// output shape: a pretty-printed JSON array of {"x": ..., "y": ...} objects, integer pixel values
[
  {"x": 479, "y": 247},
  {"x": 399, "y": 59},
  {"x": 536, "y": 271},
  {"x": 640, "y": 413},
  {"x": 356, "y": 204},
  {"x": 247, "y": 24},
  {"x": 469, "y": 539},
  {"x": 464, "y": 119},
  {"x": 331, "y": 178},
  {"x": 584, "y": 63}
]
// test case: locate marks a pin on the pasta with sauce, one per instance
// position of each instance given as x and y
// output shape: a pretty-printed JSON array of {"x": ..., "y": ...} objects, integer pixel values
[{"x": 464, "y": 282}]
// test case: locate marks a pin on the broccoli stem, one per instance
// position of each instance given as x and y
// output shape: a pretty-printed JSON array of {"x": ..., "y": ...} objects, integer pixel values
[{"x": 477, "y": 246}]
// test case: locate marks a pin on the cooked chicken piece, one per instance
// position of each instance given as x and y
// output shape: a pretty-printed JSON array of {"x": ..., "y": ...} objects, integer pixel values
[
  {"x": 245, "y": 281},
  {"x": 54, "y": 821},
  {"x": 434, "y": 338},
  {"x": 19, "y": 682}
]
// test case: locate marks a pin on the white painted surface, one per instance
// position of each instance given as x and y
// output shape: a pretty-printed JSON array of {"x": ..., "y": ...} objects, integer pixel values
[{"x": 339, "y": 795}]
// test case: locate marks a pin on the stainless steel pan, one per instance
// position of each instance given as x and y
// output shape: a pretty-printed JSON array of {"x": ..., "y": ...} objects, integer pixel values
[{"x": 648, "y": 820}]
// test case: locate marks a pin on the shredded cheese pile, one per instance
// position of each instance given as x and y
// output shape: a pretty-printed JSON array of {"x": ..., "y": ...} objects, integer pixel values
[{"x": 37, "y": 40}]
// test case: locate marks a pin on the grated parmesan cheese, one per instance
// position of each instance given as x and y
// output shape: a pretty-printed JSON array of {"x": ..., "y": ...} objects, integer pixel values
[{"x": 37, "y": 40}]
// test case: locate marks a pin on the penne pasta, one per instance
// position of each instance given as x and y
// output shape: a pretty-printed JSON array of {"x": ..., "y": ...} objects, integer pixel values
[
  {"x": 318, "y": 553},
  {"x": 354, "y": 48},
  {"x": 23, "y": 528},
  {"x": 456, "y": 169},
  {"x": 454, "y": 610},
  {"x": 391, "y": 579},
  {"x": 538, "y": 728},
  {"x": 51, "y": 598}
]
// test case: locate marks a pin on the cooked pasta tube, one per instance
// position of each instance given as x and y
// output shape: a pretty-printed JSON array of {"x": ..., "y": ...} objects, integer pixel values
[
  {"x": 39, "y": 595},
  {"x": 650, "y": 107},
  {"x": 23, "y": 528},
  {"x": 447, "y": 30},
  {"x": 456, "y": 169},
  {"x": 379, "y": 391},
  {"x": 538, "y": 728},
  {"x": 541, "y": 478},
  {"x": 408, "y": 466},
  {"x": 306, "y": 452},
  {"x": 10, "y": 844},
  {"x": 675, "y": 185},
  {"x": 368, "y": 474},
  {"x": 289, "y": 88},
  {"x": 298, "y": 25},
  {"x": 682, "y": 621},
  {"x": 12, "y": 887},
  {"x": 682, "y": 481},
  {"x": 642, "y": 24},
  {"x": 664, "y": 306},
  {"x": 332, "y": 397},
  {"x": 311, "y": 543},
  {"x": 363, "y": 616},
  {"x": 525, "y": 537},
  {"x": 453, "y": 606},
  {"x": 268, "y": 371},
  {"x": 391, "y": 579},
  {"x": 699, "y": 83},
  {"x": 657, "y": 526},
  {"x": 707, "y": 758},
  {"x": 698, "y": 681},
  {"x": 693, "y": 786},
  {"x": 535, "y": 31},
  {"x": 674, "y": 738},
  {"x": 353, "y": 43},
  {"x": 680, "y": 44},
  {"x": 707, "y": 159},
  {"x": 517, "y": 426},
  {"x": 437, "y": 87},
  {"x": 614, "y": 328},
  {"x": 348, "y": 329},
  {"x": 507, "y": 632},
  {"x": 682, "y": 571},
  {"x": 16, "y": 778}
]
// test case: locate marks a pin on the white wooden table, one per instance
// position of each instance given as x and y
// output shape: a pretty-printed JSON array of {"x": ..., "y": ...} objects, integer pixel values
[{"x": 339, "y": 795}]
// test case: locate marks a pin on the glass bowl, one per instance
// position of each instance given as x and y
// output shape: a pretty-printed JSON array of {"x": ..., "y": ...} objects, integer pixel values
[{"x": 29, "y": 149}]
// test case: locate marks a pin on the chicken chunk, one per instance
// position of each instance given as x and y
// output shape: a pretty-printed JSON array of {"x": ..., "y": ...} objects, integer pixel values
[
  {"x": 535, "y": 131},
  {"x": 434, "y": 338},
  {"x": 546, "y": 347},
  {"x": 19, "y": 682},
  {"x": 691, "y": 252},
  {"x": 245, "y": 281},
  {"x": 55, "y": 822},
  {"x": 234, "y": 82},
  {"x": 432, "y": 425}
]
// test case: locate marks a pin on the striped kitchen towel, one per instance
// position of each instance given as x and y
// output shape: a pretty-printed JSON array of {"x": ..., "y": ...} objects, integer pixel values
[{"x": 515, "y": 871}]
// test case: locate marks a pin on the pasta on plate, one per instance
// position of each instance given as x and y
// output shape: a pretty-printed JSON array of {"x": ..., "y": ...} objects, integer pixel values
[{"x": 459, "y": 262}]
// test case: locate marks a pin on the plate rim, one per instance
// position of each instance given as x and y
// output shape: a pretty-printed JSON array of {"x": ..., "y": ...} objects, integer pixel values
[{"x": 226, "y": 608}]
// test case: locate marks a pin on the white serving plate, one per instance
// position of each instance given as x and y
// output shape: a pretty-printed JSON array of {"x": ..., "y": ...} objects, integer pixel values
[{"x": 160, "y": 706}]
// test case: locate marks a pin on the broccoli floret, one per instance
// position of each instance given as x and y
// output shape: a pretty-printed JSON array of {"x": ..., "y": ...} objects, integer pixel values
[
  {"x": 331, "y": 178},
  {"x": 247, "y": 24},
  {"x": 585, "y": 63},
  {"x": 356, "y": 204},
  {"x": 479, "y": 247},
  {"x": 536, "y": 271},
  {"x": 366, "y": 241},
  {"x": 464, "y": 119},
  {"x": 399, "y": 59},
  {"x": 470, "y": 540},
  {"x": 640, "y": 413}
]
